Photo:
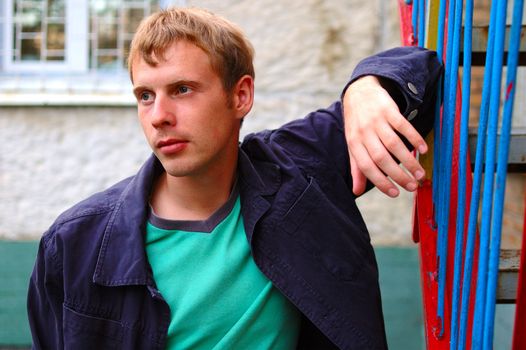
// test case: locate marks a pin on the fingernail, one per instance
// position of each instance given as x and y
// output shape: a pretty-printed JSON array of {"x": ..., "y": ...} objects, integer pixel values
[
  {"x": 392, "y": 192},
  {"x": 411, "y": 186},
  {"x": 422, "y": 148},
  {"x": 419, "y": 174}
]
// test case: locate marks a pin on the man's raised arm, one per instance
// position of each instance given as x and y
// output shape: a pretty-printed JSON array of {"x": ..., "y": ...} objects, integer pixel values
[{"x": 388, "y": 106}]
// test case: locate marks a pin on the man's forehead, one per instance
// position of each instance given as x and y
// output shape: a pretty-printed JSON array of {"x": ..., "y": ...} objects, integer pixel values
[
  {"x": 181, "y": 55},
  {"x": 178, "y": 48}
]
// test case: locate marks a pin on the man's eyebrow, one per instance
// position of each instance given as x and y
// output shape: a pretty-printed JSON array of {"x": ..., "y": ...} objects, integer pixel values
[
  {"x": 192, "y": 83},
  {"x": 138, "y": 89}
]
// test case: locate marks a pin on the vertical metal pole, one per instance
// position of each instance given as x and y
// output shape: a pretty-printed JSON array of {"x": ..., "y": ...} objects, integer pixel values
[
  {"x": 489, "y": 171},
  {"x": 519, "y": 339},
  {"x": 462, "y": 165},
  {"x": 502, "y": 165},
  {"x": 446, "y": 150}
]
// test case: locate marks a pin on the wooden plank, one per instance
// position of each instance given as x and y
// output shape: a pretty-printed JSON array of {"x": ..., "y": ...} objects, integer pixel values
[
  {"x": 517, "y": 151},
  {"x": 480, "y": 40},
  {"x": 508, "y": 276}
]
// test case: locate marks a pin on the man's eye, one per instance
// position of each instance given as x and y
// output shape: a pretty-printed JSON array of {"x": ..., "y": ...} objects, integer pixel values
[
  {"x": 183, "y": 89},
  {"x": 146, "y": 96}
]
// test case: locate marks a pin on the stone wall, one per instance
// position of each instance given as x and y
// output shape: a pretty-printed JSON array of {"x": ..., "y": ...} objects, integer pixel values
[{"x": 53, "y": 156}]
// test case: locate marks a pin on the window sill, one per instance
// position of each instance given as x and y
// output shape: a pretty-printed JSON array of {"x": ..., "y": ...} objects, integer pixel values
[
  {"x": 71, "y": 91},
  {"x": 66, "y": 100}
]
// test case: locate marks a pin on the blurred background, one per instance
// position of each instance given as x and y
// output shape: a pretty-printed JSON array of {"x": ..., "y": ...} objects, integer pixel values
[{"x": 68, "y": 120}]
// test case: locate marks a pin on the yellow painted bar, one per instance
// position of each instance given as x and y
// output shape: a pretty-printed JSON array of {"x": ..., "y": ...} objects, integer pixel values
[
  {"x": 432, "y": 24},
  {"x": 431, "y": 43}
]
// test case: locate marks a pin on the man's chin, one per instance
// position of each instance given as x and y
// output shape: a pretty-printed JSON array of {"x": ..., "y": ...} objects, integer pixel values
[{"x": 178, "y": 169}]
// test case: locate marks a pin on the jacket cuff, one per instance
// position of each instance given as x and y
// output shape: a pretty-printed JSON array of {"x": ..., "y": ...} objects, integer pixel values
[{"x": 405, "y": 73}]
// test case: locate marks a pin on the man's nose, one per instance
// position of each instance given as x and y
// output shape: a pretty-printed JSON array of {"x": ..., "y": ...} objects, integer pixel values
[{"x": 163, "y": 112}]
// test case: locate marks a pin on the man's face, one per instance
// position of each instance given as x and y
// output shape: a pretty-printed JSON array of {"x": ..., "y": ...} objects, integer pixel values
[{"x": 184, "y": 112}]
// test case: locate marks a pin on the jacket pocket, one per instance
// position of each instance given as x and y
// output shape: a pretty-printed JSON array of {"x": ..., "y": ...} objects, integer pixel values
[
  {"x": 88, "y": 332},
  {"x": 331, "y": 236}
]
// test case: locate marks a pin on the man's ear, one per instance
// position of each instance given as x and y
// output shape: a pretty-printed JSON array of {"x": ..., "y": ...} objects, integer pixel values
[{"x": 243, "y": 96}]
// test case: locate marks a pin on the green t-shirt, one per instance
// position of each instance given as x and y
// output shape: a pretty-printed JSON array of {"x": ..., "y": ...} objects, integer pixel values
[{"x": 217, "y": 296}]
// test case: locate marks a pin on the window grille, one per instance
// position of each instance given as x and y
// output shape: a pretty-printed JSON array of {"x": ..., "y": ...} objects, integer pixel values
[
  {"x": 39, "y": 30},
  {"x": 69, "y": 35},
  {"x": 112, "y": 25}
]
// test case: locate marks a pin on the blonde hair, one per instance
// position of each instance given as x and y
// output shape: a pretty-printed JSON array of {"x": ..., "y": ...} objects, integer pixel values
[{"x": 231, "y": 54}]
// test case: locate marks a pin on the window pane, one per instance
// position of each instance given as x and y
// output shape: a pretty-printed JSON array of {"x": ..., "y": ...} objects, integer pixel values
[
  {"x": 30, "y": 49},
  {"x": 132, "y": 18},
  {"x": 105, "y": 8},
  {"x": 56, "y": 8},
  {"x": 55, "y": 36},
  {"x": 107, "y": 36},
  {"x": 30, "y": 18}
]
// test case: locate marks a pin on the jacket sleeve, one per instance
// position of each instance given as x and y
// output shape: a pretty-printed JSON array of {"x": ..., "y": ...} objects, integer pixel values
[
  {"x": 411, "y": 77},
  {"x": 45, "y": 298}
]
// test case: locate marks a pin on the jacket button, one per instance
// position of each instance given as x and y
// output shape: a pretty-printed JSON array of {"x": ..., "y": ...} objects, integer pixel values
[
  {"x": 412, "y": 115},
  {"x": 412, "y": 88}
]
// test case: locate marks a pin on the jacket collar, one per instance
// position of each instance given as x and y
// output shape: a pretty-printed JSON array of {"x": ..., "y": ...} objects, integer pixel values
[{"x": 122, "y": 257}]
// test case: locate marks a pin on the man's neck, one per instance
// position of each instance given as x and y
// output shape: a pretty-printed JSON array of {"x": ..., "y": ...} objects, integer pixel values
[{"x": 191, "y": 198}]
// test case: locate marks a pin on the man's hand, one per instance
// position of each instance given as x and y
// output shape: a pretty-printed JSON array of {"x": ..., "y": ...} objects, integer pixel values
[{"x": 372, "y": 119}]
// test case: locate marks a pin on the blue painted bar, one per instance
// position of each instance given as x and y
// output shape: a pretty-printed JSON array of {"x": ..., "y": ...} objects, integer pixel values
[
  {"x": 462, "y": 165},
  {"x": 489, "y": 172},
  {"x": 437, "y": 124},
  {"x": 500, "y": 183},
  {"x": 446, "y": 149},
  {"x": 414, "y": 17},
  {"x": 475, "y": 195},
  {"x": 421, "y": 23}
]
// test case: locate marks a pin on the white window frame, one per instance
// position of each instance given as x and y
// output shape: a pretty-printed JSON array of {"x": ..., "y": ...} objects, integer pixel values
[
  {"x": 75, "y": 49},
  {"x": 71, "y": 82}
]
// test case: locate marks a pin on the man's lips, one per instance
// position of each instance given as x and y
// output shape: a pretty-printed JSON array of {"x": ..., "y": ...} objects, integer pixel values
[{"x": 171, "y": 146}]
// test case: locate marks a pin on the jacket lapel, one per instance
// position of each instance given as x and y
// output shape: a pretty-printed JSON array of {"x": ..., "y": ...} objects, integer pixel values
[
  {"x": 122, "y": 258},
  {"x": 258, "y": 181}
]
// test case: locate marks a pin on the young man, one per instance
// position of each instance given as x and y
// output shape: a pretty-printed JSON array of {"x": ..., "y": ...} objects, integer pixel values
[{"x": 216, "y": 244}]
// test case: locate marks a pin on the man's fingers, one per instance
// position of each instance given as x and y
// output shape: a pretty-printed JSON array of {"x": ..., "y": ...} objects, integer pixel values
[
  {"x": 396, "y": 147},
  {"x": 385, "y": 162},
  {"x": 369, "y": 169},
  {"x": 404, "y": 127},
  {"x": 359, "y": 181}
]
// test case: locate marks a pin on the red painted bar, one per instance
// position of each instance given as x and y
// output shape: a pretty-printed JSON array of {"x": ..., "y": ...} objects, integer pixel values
[
  {"x": 425, "y": 233},
  {"x": 519, "y": 337}
]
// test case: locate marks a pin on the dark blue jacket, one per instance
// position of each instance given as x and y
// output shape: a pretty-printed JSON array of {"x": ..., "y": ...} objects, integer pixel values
[{"x": 92, "y": 286}]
